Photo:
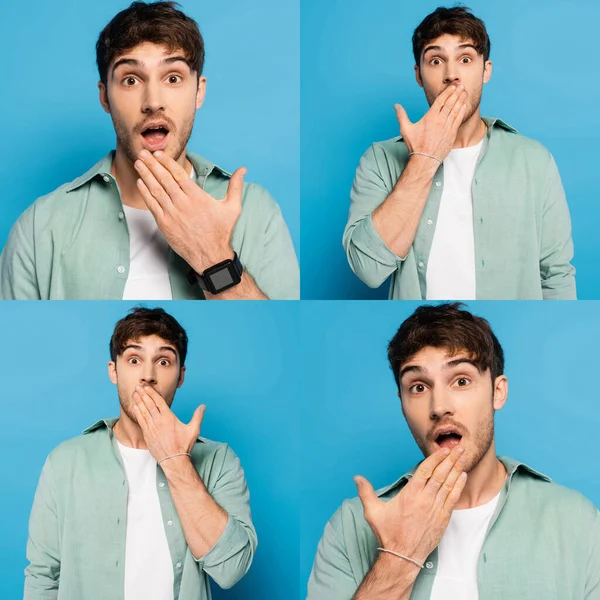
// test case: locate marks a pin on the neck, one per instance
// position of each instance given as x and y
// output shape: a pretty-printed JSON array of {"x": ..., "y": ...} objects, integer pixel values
[
  {"x": 471, "y": 132},
  {"x": 484, "y": 482},
  {"x": 126, "y": 175},
  {"x": 129, "y": 433}
]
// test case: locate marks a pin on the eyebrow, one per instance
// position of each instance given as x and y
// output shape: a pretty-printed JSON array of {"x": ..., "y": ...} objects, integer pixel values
[
  {"x": 134, "y": 62},
  {"x": 161, "y": 349},
  {"x": 449, "y": 365},
  {"x": 440, "y": 49}
]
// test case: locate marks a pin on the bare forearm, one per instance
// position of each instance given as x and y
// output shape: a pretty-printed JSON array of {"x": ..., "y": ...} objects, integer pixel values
[
  {"x": 246, "y": 289},
  {"x": 202, "y": 519},
  {"x": 397, "y": 218},
  {"x": 390, "y": 578}
]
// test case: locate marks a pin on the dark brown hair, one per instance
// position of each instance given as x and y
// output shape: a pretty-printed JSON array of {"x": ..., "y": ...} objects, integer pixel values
[
  {"x": 458, "y": 20},
  {"x": 451, "y": 327},
  {"x": 142, "y": 322},
  {"x": 156, "y": 22}
]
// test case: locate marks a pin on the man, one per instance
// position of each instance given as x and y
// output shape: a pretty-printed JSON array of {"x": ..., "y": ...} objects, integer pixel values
[
  {"x": 464, "y": 524},
  {"x": 151, "y": 220},
  {"x": 459, "y": 206},
  {"x": 140, "y": 506}
]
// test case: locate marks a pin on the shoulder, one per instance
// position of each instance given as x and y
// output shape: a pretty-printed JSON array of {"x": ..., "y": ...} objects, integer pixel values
[{"x": 521, "y": 147}]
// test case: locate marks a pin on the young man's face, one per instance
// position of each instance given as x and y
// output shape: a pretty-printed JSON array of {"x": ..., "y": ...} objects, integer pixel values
[
  {"x": 443, "y": 394},
  {"x": 147, "y": 85},
  {"x": 449, "y": 60},
  {"x": 151, "y": 360}
]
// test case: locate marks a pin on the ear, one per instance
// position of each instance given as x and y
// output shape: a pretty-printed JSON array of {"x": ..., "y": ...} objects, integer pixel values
[
  {"x": 418, "y": 76},
  {"x": 201, "y": 92},
  {"x": 104, "y": 97},
  {"x": 181, "y": 377},
  {"x": 112, "y": 372},
  {"x": 487, "y": 71},
  {"x": 500, "y": 392}
]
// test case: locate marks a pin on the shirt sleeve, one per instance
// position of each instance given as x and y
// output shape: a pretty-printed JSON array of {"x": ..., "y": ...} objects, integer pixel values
[
  {"x": 592, "y": 584},
  {"x": 231, "y": 556},
  {"x": 367, "y": 253},
  {"x": 556, "y": 248},
  {"x": 43, "y": 547},
  {"x": 18, "y": 279},
  {"x": 331, "y": 577}
]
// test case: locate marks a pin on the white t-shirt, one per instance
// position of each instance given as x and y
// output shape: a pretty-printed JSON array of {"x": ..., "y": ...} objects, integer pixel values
[
  {"x": 451, "y": 269},
  {"x": 458, "y": 553},
  {"x": 148, "y": 277},
  {"x": 148, "y": 563}
]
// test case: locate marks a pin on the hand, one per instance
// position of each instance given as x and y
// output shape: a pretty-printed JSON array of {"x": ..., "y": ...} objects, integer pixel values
[
  {"x": 413, "y": 522},
  {"x": 197, "y": 226},
  {"x": 163, "y": 432},
  {"x": 436, "y": 132}
]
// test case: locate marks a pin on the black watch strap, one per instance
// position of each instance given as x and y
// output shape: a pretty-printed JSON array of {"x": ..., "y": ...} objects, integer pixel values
[{"x": 219, "y": 277}]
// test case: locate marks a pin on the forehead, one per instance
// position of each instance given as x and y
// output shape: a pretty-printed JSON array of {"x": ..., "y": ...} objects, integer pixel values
[
  {"x": 434, "y": 359},
  {"x": 449, "y": 43},
  {"x": 148, "y": 343},
  {"x": 149, "y": 54}
]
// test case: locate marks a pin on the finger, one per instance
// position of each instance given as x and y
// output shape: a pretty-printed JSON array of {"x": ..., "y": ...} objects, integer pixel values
[
  {"x": 236, "y": 186},
  {"x": 147, "y": 402},
  {"x": 155, "y": 188},
  {"x": 425, "y": 470},
  {"x": 158, "y": 400},
  {"x": 402, "y": 117},
  {"x": 455, "y": 494},
  {"x": 441, "y": 472},
  {"x": 143, "y": 415},
  {"x": 460, "y": 116},
  {"x": 177, "y": 172},
  {"x": 197, "y": 417},
  {"x": 163, "y": 176},
  {"x": 441, "y": 99},
  {"x": 451, "y": 479},
  {"x": 456, "y": 98},
  {"x": 153, "y": 206},
  {"x": 366, "y": 493}
]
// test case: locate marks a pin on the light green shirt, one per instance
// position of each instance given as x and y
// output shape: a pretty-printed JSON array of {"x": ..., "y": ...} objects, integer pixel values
[
  {"x": 76, "y": 545},
  {"x": 542, "y": 543},
  {"x": 521, "y": 222},
  {"x": 73, "y": 244}
]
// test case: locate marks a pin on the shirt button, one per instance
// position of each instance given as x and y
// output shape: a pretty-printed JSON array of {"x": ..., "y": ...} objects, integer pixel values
[
  {"x": 169, "y": 523},
  {"x": 161, "y": 484},
  {"x": 106, "y": 178},
  {"x": 438, "y": 183},
  {"x": 421, "y": 264},
  {"x": 120, "y": 270},
  {"x": 429, "y": 565},
  {"x": 121, "y": 215},
  {"x": 178, "y": 565},
  {"x": 429, "y": 222}
]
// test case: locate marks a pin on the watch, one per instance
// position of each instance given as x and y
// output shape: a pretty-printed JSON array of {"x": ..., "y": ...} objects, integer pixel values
[{"x": 219, "y": 277}]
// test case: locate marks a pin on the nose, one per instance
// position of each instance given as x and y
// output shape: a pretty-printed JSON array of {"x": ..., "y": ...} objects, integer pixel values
[
  {"x": 450, "y": 76},
  {"x": 149, "y": 375},
  {"x": 441, "y": 405},
  {"x": 152, "y": 101}
]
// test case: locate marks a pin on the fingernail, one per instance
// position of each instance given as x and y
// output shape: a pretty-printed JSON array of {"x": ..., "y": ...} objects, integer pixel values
[
  {"x": 446, "y": 451},
  {"x": 461, "y": 87},
  {"x": 158, "y": 154},
  {"x": 137, "y": 164},
  {"x": 453, "y": 87},
  {"x": 144, "y": 154},
  {"x": 460, "y": 450}
]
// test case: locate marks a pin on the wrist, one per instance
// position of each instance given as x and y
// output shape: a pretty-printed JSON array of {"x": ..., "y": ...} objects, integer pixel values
[
  {"x": 419, "y": 168},
  {"x": 216, "y": 255}
]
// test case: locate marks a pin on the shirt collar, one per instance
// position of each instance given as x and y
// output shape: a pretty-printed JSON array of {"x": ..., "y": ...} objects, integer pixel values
[
  {"x": 512, "y": 466},
  {"x": 490, "y": 122},
  {"x": 109, "y": 424},
  {"x": 102, "y": 168}
]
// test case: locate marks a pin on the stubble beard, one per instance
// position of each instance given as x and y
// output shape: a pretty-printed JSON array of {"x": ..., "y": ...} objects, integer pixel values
[{"x": 125, "y": 138}]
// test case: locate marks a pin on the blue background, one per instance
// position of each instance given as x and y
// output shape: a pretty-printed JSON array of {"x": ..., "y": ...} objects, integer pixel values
[
  {"x": 55, "y": 128},
  {"x": 352, "y": 423},
  {"x": 242, "y": 364},
  {"x": 357, "y": 62}
]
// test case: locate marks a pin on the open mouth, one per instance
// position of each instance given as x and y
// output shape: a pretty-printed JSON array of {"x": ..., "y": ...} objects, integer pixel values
[
  {"x": 448, "y": 439},
  {"x": 155, "y": 136}
]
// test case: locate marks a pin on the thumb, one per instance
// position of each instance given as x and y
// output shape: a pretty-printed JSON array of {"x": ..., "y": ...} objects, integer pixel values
[
  {"x": 236, "y": 185},
  {"x": 366, "y": 493},
  {"x": 402, "y": 117},
  {"x": 197, "y": 419}
]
